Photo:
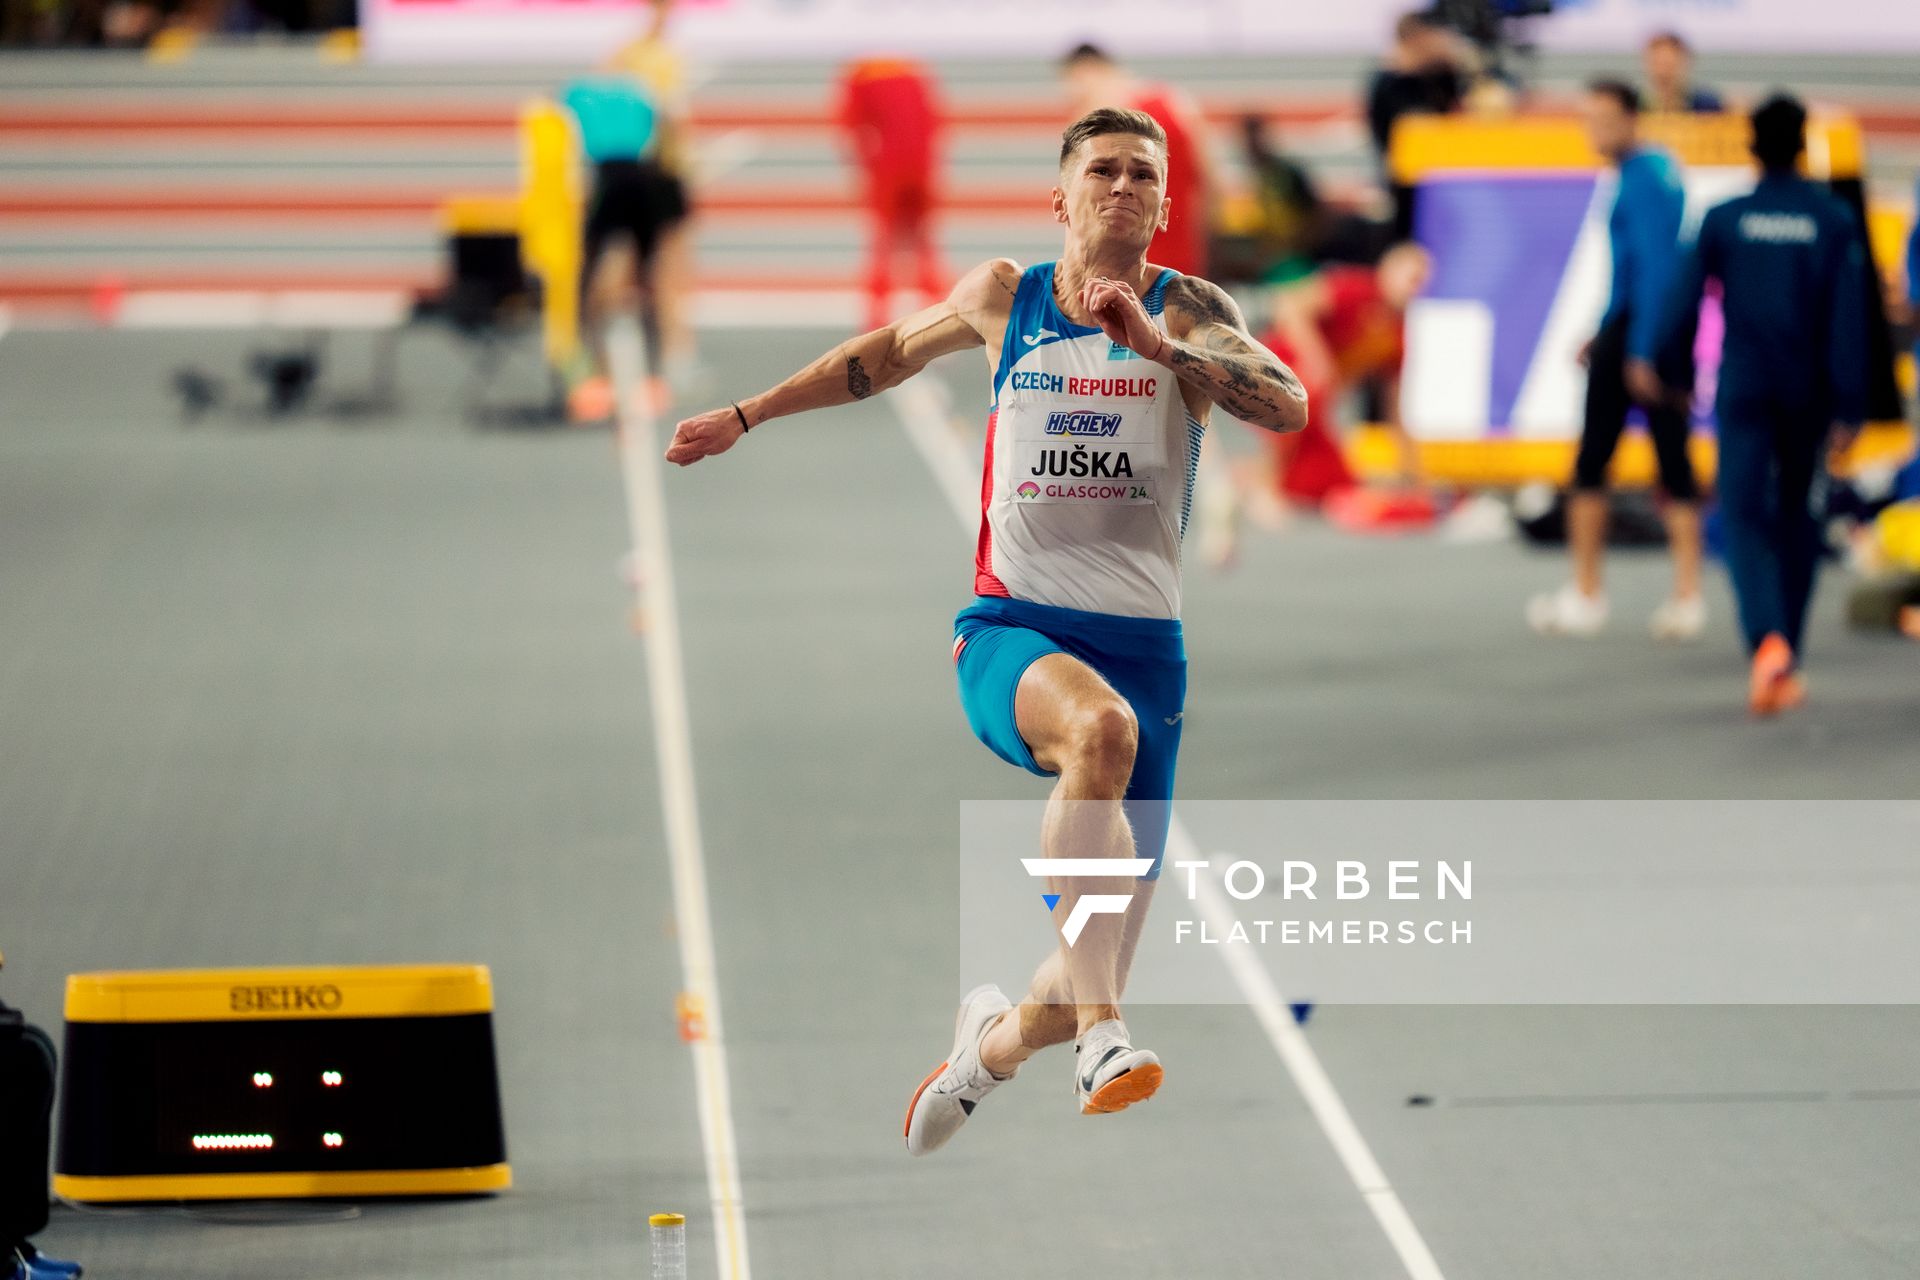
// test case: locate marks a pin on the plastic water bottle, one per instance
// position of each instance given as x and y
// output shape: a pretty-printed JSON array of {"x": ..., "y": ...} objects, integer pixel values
[{"x": 669, "y": 1232}]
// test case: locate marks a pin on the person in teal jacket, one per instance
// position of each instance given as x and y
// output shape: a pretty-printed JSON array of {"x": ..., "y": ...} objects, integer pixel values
[{"x": 636, "y": 199}]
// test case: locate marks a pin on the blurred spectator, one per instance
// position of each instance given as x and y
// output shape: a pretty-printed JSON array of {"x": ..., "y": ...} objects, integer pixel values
[
  {"x": 1668, "y": 59},
  {"x": 132, "y": 24},
  {"x": 1425, "y": 73},
  {"x": 634, "y": 201},
  {"x": 1095, "y": 80},
  {"x": 891, "y": 115},
  {"x": 129, "y": 24},
  {"x": 1338, "y": 329},
  {"x": 658, "y": 67},
  {"x": 1793, "y": 379},
  {"x": 1644, "y": 230},
  {"x": 1291, "y": 214},
  {"x": 1295, "y": 227}
]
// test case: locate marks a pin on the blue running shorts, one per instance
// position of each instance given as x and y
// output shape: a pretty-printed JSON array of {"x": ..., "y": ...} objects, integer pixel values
[{"x": 995, "y": 640}]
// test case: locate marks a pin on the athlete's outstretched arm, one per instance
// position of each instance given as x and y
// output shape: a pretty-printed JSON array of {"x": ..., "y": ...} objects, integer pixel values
[
  {"x": 1212, "y": 351},
  {"x": 866, "y": 365}
]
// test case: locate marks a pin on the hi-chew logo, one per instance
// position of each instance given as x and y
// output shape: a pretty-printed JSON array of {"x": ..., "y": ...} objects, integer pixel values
[
  {"x": 1087, "y": 905},
  {"x": 1082, "y": 422}
]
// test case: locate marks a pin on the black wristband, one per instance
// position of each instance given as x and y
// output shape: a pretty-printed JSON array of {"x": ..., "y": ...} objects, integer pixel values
[{"x": 744, "y": 427}]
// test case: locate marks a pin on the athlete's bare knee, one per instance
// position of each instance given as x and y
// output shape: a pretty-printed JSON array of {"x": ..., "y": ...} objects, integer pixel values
[{"x": 1102, "y": 740}]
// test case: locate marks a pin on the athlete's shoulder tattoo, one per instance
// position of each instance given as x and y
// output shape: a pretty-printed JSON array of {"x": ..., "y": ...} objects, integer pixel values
[
  {"x": 1204, "y": 302},
  {"x": 1006, "y": 273}
]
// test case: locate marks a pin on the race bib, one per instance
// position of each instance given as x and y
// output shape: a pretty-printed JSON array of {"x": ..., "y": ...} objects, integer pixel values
[
  {"x": 1100, "y": 472},
  {"x": 1098, "y": 453}
]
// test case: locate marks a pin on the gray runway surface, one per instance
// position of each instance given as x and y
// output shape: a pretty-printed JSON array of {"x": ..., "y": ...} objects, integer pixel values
[{"x": 320, "y": 692}]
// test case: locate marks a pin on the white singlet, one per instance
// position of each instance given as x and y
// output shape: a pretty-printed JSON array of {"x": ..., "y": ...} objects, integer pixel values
[{"x": 1090, "y": 459}]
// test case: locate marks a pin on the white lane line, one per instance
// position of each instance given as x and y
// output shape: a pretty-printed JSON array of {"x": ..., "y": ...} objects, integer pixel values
[
  {"x": 1275, "y": 1016},
  {"x": 950, "y": 454},
  {"x": 640, "y": 466},
  {"x": 929, "y": 427}
]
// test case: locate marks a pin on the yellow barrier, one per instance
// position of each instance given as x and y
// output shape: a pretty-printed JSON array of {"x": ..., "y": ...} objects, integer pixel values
[
  {"x": 172, "y": 45},
  {"x": 1426, "y": 145},
  {"x": 481, "y": 216},
  {"x": 545, "y": 216},
  {"x": 341, "y": 45},
  {"x": 550, "y": 223},
  {"x": 1898, "y": 529},
  {"x": 1887, "y": 230},
  {"x": 1500, "y": 463}
]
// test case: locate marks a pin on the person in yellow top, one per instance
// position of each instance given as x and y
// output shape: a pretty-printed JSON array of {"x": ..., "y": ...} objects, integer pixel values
[
  {"x": 663, "y": 271},
  {"x": 659, "y": 67}
]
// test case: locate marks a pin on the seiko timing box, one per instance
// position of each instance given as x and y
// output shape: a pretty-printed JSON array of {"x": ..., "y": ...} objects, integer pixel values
[{"x": 290, "y": 1083}]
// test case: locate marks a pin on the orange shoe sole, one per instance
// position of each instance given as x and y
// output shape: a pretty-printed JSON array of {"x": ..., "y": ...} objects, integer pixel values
[
  {"x": 590, "y": 403},
  {"x": 1122, "y": 1092},
  {"x": 1789, "y": 693},
  {"x": 1772, "y": 665},
  {"x": 906, "y": 1127}
]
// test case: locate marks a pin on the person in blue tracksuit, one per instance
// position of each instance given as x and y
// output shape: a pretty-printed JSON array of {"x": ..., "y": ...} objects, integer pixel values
[
  {"x": 1643, "y": 230},
  {"x": 1793, "y": 380}
]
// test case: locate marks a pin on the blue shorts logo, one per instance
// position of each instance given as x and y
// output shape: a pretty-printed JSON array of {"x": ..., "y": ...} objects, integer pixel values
[{"x": 1082, "y": 422}]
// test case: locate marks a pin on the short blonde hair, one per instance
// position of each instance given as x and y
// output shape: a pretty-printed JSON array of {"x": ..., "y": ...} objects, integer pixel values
[{"x": 1103, "y": 120}]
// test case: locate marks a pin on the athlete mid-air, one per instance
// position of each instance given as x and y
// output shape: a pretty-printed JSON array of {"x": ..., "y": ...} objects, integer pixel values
[{"x": 1070, "y": 659}]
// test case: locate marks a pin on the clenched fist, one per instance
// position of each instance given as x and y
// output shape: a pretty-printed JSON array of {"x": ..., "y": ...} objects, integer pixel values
[
  {"x": 1121, "y": 316},
  {"x": 704, "y": 435}
]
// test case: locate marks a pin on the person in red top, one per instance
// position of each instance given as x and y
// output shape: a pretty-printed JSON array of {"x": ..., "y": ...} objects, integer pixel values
[
  {"x": 1339, "y": 328},
  {"x": 889, "y": 109},
  {"x": 1095, "y": 80}
]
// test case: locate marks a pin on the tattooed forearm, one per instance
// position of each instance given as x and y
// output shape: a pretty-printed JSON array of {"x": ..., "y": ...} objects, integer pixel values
[
  {"x": 858, "y": 383},
  {"x": 1245, "y": 380},
  {"x": 1235, "y": 372}
]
